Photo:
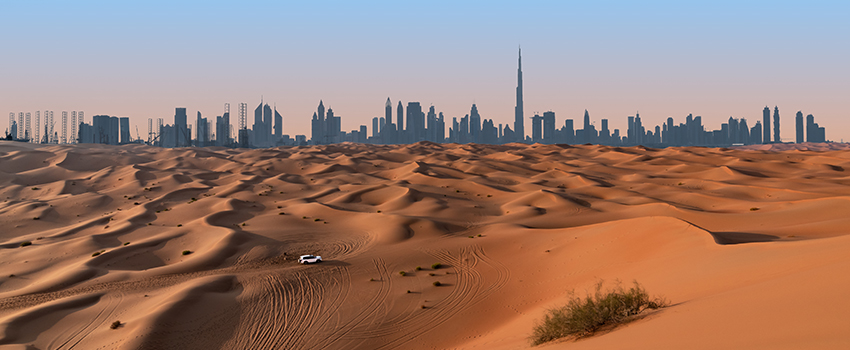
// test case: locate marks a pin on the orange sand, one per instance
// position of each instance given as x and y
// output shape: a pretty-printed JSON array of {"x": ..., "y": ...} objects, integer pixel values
[{"x": 751, "y": 247}]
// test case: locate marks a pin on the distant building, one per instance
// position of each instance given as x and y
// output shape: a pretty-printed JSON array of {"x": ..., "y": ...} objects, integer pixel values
[
  {"x": 766, "y": 125},
  {"x": 536, "y": 128},
  {"x": 776, "y": 137},
  {"x": 519, "y": 128},
  {"x": 181, "y": 136}
]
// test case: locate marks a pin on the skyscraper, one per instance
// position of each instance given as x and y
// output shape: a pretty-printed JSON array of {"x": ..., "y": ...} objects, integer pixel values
[
  {"x": 258, "y": 127},
  {"x": 549, "y": 127},
  {"x": 766, "y": 125},
  {"x": 400, "y": 134},
  {"x": 278, "y": 126},
  {"x": 320, "y": 140},
  {"x": 267, "y": 125},
  {"x": 124, "y": 125},
  {"x": 536, "y": 128},
  {"x": 519, "y": 128},
  {"x": 776, "y": 137},
  {"x": 474, "y": 125},
  {"x": 799, "y": 119},
  {"x": 388, "y": 119},
  {"x": 181, "y": 134}
]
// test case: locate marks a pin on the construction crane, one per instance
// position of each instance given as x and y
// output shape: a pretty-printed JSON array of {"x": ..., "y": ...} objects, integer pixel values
[{"x": 138, "y": 139}]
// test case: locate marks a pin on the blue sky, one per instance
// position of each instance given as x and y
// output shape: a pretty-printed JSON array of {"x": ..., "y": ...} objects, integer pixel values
[{"x": 662, "y": 58}]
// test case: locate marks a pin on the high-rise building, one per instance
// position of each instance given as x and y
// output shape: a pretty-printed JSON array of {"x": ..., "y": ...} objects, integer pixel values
[
  {"x": 474, "y": 125},
  {"x": 776, "y": 137},
  {"x": 181, "y": 132},
  {"x": 388, "y": 119},
  {"x": 400, "y": 132},
  {"x": 124, "y": 125},
  {"x": 415, "y": 122},
  {"x": 375, "y": 129},
  {"x": 536, "y": 128},
  {"x": 756, "y": 133},
  {"x": 814, "y": 132},
  {"x": 519, "y": 128},
  {"x": 322, "y": 125},
  {"x": 267, "y": 125},
  {"x": 766, "y": 125},
  {"x": 278, "y": 126},
  {"x": 549, "y": 127},
  {"x": 430, "y": 121},
  {"x": 800, "y": 135}
]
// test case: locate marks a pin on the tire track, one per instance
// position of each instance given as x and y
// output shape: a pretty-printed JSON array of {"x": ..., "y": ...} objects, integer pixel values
[
  {"x": 471, "y": 287},
  {"x": 347, "y": 335},
  {"x": 111, "y": 302}
]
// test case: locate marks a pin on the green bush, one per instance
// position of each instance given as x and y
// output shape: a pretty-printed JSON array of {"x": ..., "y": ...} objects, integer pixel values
[
  {"x": 115, "y": 325},
  {"x": 402, "y": 273},
  {"x": 436, "y": 266},
  {"x": 582, "y": 317},
  {"x": 418, "y": 268},
  {"x": 187, "y": 252},
  {"x": 25, "y": 243},
  {"x": 437, "y": 283}
]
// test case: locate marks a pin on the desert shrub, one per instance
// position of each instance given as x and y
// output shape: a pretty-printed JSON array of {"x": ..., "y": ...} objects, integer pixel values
[
  {"x": 402, "y": 273},
  {"x": 126, "y": 243},
  {"x": 187, "y": 252},
  {"x": 436, "y": 266},
  {"x": 25, "y": 243},
  {"x": 437, "y": 283},
  {"x": 115, "y": 325},
  {"x": 36, "y": 218},
  {"x": 179, "y": 225},
  {"x": 581, "y": 317},
  {"x": 754, "y": 208},
  {"x": 418, "y": 268}
]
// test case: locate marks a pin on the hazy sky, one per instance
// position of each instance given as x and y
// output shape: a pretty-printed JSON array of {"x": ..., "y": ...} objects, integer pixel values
[{"x": 662, "y": 58}]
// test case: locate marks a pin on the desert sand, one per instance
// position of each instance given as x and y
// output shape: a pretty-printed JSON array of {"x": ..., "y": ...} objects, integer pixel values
[{"x": 750, "y": 246}]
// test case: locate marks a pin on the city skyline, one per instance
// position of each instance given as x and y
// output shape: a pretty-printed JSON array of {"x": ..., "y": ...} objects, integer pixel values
[{"x": 614, "y": 59}]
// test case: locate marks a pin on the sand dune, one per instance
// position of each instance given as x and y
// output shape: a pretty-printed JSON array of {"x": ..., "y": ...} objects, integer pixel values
[{"x": 196, "y": 248}]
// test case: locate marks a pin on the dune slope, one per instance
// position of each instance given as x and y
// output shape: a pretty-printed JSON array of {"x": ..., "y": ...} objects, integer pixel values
[{"x": 195, "y": 248}]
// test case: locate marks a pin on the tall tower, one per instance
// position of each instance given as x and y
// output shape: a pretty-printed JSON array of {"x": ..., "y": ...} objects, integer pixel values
[
  {"x": 243, "y": 125},
  {"x": 766, "y": 125},
  {"x": 225, "y": 132},
  {"x": 776, "y": 137},
  {"x": 64, "y": 138},
  {"x": 37, "y": 134},
  {"x": 388, "y": 117},
  {"x": 320, "y": 114},
  {"x": 278, "y": 126},
  {"x": 519, "y": 129},
  {"x": 400, "y": 121},
  {"x": 799, "y": 119},
  {"x": 74, "y": 135}
]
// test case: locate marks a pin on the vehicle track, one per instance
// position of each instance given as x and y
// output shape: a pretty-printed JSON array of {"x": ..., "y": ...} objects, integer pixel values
[
  {"x": 470, "y": 288},
  {"x": 73, "y": 337}
]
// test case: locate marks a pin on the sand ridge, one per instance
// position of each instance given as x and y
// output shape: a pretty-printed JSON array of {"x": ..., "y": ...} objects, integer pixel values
[{"x": 196, "y": 247}]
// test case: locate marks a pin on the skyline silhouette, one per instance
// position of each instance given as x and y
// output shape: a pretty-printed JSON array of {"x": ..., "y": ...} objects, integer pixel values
[{"x": 663, "y": 59}]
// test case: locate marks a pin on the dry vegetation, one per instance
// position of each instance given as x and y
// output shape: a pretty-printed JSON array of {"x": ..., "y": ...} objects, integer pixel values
[{"x": 582, "y": 317}]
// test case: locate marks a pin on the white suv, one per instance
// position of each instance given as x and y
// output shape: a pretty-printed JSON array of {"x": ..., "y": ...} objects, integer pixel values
[{"x": 309, "y": 259}]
